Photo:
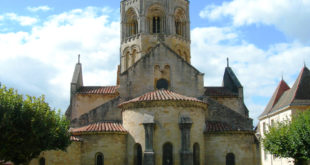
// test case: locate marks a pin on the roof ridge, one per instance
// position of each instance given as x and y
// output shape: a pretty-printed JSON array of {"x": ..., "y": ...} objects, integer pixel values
[
  {"x": 299, "y": 79},
  {"x": 163, "y": 95}
]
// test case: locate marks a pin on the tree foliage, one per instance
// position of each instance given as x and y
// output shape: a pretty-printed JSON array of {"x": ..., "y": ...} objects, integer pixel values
[
  {"x": 290, "y": 139},
  {"x": 29, "y": 126}
]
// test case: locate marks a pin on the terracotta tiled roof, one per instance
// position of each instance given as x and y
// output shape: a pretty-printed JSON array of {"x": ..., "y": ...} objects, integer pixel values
[
  {"x": 98, "y": 90},
  {"x": 5, "y": 163},
  {"x": 219, "y": 91},
  {"x": 217, "y": 126},
  {"x": 75, "y": 138},
  {"x": 98, "y": 127},
  {"x": 160, "y": 95}
]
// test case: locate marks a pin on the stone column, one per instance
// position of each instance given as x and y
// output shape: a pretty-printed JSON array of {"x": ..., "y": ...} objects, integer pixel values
[
  {"x": 185, "y": 154},
  {"x": 149, "y": 155}
]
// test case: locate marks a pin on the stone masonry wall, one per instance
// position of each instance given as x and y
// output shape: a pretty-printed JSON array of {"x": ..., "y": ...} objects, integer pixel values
[
  {"x": 242, "y": 145},
  {"x": 106, "y": 112},
  {"x": 71, "y": 157},
  {"x": 219, "y": 112},
  {"x": 139, "y": 79},
  {"x": 166, "y": 130}
]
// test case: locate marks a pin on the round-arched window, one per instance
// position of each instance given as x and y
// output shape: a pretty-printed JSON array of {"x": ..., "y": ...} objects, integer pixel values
[
  {"x": 230, "y": 159},
  {"x": 42, "y": 161},
  {"x": 99, "y": 159},
  {"x": 162, "y": 84}
]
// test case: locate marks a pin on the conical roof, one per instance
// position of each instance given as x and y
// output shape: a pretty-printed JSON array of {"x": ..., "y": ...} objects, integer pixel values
[
  {"x": 299, "y": 94},
  {"x": 282, "y": 87}
]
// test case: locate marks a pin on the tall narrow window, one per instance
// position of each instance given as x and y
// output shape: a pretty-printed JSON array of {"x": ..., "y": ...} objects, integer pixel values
[
  {"x": 137, "y": 154},
  {"x": 196, "y": 154},
  {"x": 99, "y": 159},
  {"x": 230, "y": 159},
  {"x": 156, "y": 24},
  {"x": 167, "y": 154},
  {"x": 178, "y": 28},
  {"x": 42, "y": 161}
]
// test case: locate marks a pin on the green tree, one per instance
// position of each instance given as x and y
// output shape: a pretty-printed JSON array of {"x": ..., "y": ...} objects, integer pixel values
[
  {"x": 29, "y": 126},
  {"x": 290, "y": 139}
]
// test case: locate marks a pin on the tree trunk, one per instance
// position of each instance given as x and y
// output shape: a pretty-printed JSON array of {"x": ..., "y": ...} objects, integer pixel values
[{"x": 301, "y": 162}]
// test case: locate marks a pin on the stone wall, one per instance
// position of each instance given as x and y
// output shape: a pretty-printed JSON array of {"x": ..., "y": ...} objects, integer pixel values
[
  {"x": 139, "y": 79},
  {"x": 83, "y": 103},
  {"x": 111, "y": 145},
  {"x": 219, "y": 112},
  {"x": 166, "y": 130},
  {"x": 234, "y": 103},
  {"x": 241, "y": 144},
  {"x": 71, "y": 157},
  {"x": 106, "y": 112}
]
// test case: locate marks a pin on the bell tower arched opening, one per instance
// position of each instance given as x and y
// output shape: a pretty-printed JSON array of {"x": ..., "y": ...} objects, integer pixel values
[
  {"x": 155, "y": 19},
  {"x": 131, "y": 19}
]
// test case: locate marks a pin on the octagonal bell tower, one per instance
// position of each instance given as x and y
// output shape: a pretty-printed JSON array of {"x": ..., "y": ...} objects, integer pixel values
[{"x": 145, "y": 23}]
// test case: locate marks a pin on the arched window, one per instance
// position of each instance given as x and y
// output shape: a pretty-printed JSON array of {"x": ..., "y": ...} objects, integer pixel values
[
  {"x": 167, "y": 154},
  {"x": 155, "y": 19},
  {"x": 133, "y": 56},
  {"x": 178, "y": 27},
  {"x": 127, "y": 62},
  {"x": 196, "y": 154},
  {"x": 162, "y": 84},
  {"x": 42, "y": 161},
  {"x": 137, "y": 154},
  {"x": 131, "y": 22},
  {"x": 230, "y": 159},
  {"x": 180, "y": 22},
  {"x": 156, "y": 24},
  {"x": 99, "y": 159}
]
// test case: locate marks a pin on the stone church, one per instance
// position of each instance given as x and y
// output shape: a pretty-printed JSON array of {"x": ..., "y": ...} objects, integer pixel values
[{"x": 159, "y": 112}]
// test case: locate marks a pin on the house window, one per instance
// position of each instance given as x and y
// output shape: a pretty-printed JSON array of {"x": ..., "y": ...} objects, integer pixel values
[
  {"x": 99, "y": 159},
  {"x": 167, "y": 154},
  {"x": 156, "y": 24},
  {"x": 42, "y": 161},
  {"x": 230, "y": 159},
  {"x": 264, "y": 127},
  {"x": 196, "y": 154},
  {"x": 137, "y": 154}
]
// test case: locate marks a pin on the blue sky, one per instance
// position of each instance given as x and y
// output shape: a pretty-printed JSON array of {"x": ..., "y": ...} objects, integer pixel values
[{"x": 40, "y": 40}]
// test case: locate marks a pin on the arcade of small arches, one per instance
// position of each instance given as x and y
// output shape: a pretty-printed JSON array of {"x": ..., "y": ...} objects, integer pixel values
[
  {"x": 130, "y": 56},
  {"x": 156, "y": 21},
  {"x": 181, "y": 51}
]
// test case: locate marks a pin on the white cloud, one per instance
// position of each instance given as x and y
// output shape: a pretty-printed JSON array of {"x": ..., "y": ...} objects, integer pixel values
[
  {"x": 49, "y": 53},
  {"x": 42, "y": 61},
  {"x": 290, "y": 17},
  {"x": 38, "y": 8},
  {"x": 258, "y": 70},
  {"x": 22, "y": 20}
]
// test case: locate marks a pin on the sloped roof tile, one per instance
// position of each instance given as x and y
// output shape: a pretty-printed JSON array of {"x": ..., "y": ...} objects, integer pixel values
[
  {"x": 161, "y": 95},
  {"x": 217, "y": 126},
  {"x": 97, "y": 90},
  {"x": 99, "y": 127},
  {"x": 219, "y": 91}
]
